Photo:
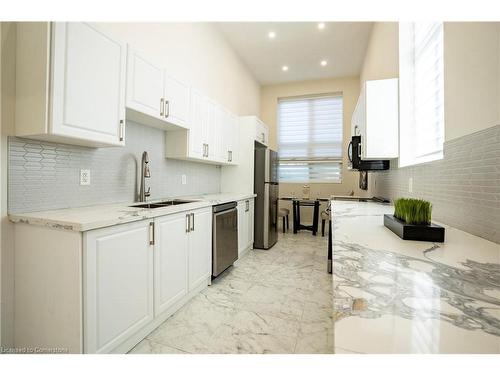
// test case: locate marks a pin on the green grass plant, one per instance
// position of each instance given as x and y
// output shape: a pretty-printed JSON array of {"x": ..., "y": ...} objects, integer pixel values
[{"x": 413, "y": 211}]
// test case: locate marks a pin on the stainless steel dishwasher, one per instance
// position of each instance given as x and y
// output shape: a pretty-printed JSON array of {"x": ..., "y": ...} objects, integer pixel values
[{"x": 224, "y": 237}]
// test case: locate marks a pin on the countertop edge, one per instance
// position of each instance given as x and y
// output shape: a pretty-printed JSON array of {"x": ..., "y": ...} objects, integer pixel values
[{"x": 128, "y": 214}]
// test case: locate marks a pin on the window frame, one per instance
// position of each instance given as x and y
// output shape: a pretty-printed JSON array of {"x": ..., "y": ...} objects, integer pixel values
[
  {"x": 408, "y": 130},
  {"x": 334, "y": 160}
]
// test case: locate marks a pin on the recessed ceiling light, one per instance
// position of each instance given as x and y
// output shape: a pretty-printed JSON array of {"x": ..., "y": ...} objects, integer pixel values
[
  {"x": 323, "y": 62},
  {"x": 271, "y": 35},
  {"x": 284, "y": 68},
  {"x": 321, "y": 25}
]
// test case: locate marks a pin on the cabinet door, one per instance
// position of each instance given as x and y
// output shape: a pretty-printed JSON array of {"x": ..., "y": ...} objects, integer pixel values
[
  {"x": 217, "y": 126},
  {"x": 118, "y": 284},
  {"x": 200, "y": 247},
  {"x": 144, "y": 85},
  {"x": 242, "y": 227},
  {"x": 176, "y": 102},
  {"x": 196, "y": 130},
  {"x": 88, "y": 84},
  {"x": 235, "y": 138},
  {"x": 250, "y": 223},
  {"x": 170, "y": 260}
]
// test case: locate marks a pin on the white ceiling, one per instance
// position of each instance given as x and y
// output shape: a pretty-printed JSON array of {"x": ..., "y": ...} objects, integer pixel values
[{"x": 299, "y": 45}]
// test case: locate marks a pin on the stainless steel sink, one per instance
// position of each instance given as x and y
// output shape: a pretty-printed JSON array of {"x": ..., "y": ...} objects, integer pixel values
[{"x": 172, "y": 202}]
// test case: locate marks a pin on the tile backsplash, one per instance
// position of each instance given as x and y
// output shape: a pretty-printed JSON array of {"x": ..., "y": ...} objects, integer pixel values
[
  {"x": 464, "y": 187},
  {"x": 45, "y": 176}
]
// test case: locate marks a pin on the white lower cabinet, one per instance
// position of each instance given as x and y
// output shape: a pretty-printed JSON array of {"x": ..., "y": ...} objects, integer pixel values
[
  {"x": 200, "y": 248},
  {"x": 183, "y": 256},
  {"x": 104, "y": 290},
  {"x": 245, "y": 225},
  {"x": 118, "y": 284},
  {"x": 171, "y": 260}
]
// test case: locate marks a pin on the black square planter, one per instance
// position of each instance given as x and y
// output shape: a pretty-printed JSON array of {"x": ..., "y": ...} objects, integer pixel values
[{"x": 414, "y": 232}]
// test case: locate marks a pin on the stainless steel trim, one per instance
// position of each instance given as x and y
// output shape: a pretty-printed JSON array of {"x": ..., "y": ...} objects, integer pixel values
[
  {"x": 192, "y": 223},
  {"x": 167, "y": 108},
  {"x": 151, "y": 233},
  {"x": 266, "y": 215},
  {"x": 122, "y": 130},
  {"x": 188, "y": 223},
  {"x": 162, "y": 106}
]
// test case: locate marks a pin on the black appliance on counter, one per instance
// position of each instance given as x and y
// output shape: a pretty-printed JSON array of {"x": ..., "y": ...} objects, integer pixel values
[{"x": 354, "y": 153}]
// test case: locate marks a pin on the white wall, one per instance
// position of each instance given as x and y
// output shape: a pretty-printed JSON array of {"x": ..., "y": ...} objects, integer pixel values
[
  {"x": 382, "y": 54},
  {"x": 7, "y": 54},
  {"x": 471, "y": 77},
  {"x": 198, "y": 54}
]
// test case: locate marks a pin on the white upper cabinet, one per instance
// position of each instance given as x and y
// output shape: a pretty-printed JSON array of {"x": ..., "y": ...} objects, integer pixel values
[
  {"x": 144, "y": 86},
  {"x": 261, "y": 132},
  {"x": 213, "y": 134},
  {"x": 155, "y": 98},
  {"x": 176, "y": 102},
  {"x": 70, "y": 84},
  {"x": 376, "y": 119}
]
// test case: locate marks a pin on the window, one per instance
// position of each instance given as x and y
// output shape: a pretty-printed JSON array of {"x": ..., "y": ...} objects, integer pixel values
[
  {"x": 421, "y": 92},
  {"x": 310, "y": 139}
]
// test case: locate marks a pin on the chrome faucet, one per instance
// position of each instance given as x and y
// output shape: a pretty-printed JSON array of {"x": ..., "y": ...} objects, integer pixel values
[{"x": 143, "y": 194}]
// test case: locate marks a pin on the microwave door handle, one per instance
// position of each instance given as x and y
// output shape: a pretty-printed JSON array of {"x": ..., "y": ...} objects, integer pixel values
[{"x": 349, "y": 151}]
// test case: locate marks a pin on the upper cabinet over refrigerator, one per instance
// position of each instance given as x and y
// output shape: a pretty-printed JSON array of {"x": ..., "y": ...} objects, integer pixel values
[
  {"x": 153, "y": 97},
  {"x": 376, "y": 119},
  {"x": 70, "y": 84}
]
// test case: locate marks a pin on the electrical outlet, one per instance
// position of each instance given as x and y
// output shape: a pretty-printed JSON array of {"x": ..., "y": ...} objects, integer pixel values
[
  {"x": 410, "y": 185},
  {"x": 183, "y": 179},
  {"x": 84, "y": 176}
]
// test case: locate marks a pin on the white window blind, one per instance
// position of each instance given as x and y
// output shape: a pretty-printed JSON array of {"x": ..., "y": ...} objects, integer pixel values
[
  {"x": 421, "y": 92},
  {"x": 310, "y": 139}
]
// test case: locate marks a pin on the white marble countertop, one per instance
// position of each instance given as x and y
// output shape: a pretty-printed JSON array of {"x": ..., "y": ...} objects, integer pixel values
[
  {"x": 397, "y": 296},
  {"x": 93, "y": 217}
]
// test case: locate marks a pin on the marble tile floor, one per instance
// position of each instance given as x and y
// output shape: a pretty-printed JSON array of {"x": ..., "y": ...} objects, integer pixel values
[{"x": 276, "y": 301}]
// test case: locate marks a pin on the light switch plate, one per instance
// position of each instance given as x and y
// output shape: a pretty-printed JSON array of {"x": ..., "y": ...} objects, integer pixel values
[
  {"x": 84, "y": 176},
  {"x": 184, "y": 180}
]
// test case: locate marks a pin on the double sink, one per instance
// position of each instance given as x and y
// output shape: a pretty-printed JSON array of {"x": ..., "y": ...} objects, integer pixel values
[{"x": 162, "y": 204}]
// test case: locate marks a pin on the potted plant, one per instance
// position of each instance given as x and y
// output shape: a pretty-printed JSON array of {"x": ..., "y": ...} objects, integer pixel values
[{"x": 412, "y": 221}]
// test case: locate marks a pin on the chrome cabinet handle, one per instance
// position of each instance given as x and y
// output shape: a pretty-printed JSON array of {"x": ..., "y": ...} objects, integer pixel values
[
  {"x": 162, "y": 106},
  {"x": 192, "y": 222},
  {"x": 167, "y": 108},
  {"x": 151, "y": 233},
  {"x": 188, "y": 223},
  {"x": 247, "y": 206},
  {"x": 122, "y": 130}
]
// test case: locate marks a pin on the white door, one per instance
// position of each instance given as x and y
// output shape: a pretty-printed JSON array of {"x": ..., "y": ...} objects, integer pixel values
[
  {"x": 209, "y": 134},
  {"x": 144, "y": 85},
  {"x": 118, "y": 284},
  {"x": 170, "y": 260},
  {"x": 235, "y": 138},
  {"x": 200, "y": 247},
  {"x": 242, "y": 227},
  {"x": 196, "y": 130},
  {"x": 88, "y": 83},
  {"x": 176, "y": 102},
  {"x": 250, "y": 223}
]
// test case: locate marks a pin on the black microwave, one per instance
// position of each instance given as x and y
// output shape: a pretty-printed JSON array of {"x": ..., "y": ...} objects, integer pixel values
[{"x": 354, "y": 152}]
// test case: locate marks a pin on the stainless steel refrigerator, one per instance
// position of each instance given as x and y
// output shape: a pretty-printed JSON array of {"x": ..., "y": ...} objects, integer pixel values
[{"x": 266, "y": 187}]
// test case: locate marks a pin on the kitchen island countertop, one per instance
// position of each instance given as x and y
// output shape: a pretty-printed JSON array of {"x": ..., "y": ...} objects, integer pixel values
[{"x": 396, "y": 296}]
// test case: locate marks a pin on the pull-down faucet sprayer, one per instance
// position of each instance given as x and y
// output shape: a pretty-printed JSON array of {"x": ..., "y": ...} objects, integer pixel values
[{"x": 145, "y": 173}]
